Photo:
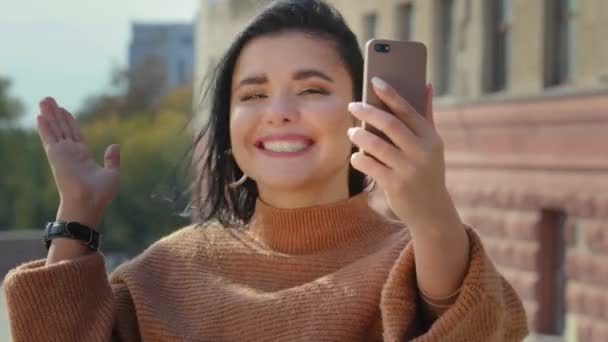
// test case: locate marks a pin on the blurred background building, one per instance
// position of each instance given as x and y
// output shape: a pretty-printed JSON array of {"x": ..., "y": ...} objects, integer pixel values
[
  {"x": 522, "y": 104},
  {"x": 162, "y": 52}
]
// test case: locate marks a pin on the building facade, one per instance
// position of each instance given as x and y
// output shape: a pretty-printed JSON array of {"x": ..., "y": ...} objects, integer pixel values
[
  {"x": 163, "y": 50},
  {"x": 522, "y": 105}
]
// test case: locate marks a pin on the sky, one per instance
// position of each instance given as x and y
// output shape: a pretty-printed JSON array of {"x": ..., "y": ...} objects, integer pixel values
[{"x": 67, "y": 48}]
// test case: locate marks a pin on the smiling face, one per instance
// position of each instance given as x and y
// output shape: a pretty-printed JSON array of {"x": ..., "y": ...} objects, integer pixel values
[{"x": 289, "y": 117}]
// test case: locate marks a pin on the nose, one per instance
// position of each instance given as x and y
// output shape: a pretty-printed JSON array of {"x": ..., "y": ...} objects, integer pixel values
[{"x": 281, "y": 110}]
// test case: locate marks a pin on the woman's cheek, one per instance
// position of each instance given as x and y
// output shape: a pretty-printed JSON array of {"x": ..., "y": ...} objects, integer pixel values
[
  {"x": 330, "y": 112},
  {"x": 242, "y": 120},
  {"x": 242, "y": 128}
]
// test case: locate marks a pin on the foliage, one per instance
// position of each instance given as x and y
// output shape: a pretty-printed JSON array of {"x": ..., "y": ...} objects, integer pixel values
[
  {"x": 153, "y": 142},
  {"x": 10, "y": 107}
]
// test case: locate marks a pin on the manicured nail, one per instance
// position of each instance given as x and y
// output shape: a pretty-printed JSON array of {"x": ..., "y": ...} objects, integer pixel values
[
  {"x": 351, "y": 131},
  {"x": 379, "y": 83},
  {"x": 355, "y": 107}
]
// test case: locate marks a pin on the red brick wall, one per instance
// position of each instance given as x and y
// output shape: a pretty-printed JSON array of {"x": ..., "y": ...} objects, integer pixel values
[{"x": 515, "y": 168}]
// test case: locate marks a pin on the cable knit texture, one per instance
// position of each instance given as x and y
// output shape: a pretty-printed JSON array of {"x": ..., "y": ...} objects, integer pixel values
[{"x": 338, "y": 272}]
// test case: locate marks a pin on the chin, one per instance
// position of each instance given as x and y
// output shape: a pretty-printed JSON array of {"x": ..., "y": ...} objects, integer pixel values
[{"x": 290, "y": 183}]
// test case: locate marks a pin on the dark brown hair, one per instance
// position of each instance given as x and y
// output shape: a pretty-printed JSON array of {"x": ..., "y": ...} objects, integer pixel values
[{"x": 234, "y": 207}]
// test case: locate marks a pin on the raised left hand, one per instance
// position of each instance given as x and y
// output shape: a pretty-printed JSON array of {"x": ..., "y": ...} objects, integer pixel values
[{"x": 411, "y": 172}]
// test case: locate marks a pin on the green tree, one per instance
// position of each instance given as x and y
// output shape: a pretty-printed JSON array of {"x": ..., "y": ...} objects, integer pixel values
[
  {"x": 154, "y": 139},
  {"x": 152, "y": 146},
  {"x": 23, "y": 175},
  {"x": 133, "y": 91},
  {"x": 10, "y": 107}
]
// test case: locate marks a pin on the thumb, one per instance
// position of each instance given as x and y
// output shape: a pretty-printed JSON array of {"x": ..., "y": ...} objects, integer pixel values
[{"x": 111, "y": 158}]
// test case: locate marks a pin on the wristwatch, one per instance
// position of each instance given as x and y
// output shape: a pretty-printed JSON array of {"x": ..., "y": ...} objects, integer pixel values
[{"x": 72, "y": 230}]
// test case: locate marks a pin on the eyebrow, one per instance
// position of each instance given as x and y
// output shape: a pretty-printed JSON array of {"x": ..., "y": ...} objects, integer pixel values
[
  {"x": 308, "y": 73},
  {"x": 298, "y": 76}
]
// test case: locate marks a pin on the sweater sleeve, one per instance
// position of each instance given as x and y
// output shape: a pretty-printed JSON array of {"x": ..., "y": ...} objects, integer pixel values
[
  {"x": 486, "y": 307},
  {"x": 68, "y": 301}
]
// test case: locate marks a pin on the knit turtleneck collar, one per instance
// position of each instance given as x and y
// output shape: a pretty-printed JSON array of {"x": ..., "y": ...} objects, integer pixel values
[{"x": 310, "y": 229}]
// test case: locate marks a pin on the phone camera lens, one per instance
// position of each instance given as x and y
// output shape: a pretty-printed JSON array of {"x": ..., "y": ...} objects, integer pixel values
[{"x": 382, "y": 48}]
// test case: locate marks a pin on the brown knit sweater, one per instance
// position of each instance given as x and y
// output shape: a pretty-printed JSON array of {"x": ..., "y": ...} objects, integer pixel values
[{"x": 338, "y": 272}]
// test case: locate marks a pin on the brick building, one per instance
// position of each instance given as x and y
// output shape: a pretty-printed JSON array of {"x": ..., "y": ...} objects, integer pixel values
[{"x": 523, "y": 108}]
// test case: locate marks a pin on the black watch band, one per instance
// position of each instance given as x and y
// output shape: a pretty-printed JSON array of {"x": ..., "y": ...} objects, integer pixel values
[{"x": 72, "y": 230}]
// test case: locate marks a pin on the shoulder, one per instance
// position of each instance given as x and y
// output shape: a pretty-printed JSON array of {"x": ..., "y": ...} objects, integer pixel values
[{"x": 187, "y": 246}]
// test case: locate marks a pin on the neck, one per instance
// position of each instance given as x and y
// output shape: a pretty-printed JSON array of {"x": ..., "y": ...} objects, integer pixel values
[
  {"x": 310, "y": 195},
  {"x": 315, "y": 228}
]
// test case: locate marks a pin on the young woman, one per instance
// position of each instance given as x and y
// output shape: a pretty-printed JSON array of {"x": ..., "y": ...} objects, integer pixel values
[{"x": 289, "y": 249}]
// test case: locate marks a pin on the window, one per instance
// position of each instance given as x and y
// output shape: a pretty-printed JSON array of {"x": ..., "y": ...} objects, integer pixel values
[
  {"x": 445, "y": 46},
  {"x": 559, "y": 36},
  {"x": 496, "y": 59},
  {"x": 370, "y": 23},
  {"x": 404, "y": 21}
]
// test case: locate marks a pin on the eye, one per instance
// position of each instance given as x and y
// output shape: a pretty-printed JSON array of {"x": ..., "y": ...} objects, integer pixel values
[
  {"x": 313, "y": 91},
  {"x": 253, "y": 96}
]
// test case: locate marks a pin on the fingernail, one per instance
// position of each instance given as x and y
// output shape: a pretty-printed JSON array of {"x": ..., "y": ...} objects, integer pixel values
[
  {"x": 355, "y": 107},
  {"x": 351, "y": 131},
  {"x": 379, "y": 83}
]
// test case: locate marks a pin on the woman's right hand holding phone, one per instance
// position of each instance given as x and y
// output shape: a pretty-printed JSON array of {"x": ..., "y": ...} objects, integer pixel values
[{"x": 85, "y": 188}]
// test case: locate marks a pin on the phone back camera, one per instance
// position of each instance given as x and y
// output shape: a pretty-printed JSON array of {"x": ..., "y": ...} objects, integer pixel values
[{"x": 382, "y": 48}]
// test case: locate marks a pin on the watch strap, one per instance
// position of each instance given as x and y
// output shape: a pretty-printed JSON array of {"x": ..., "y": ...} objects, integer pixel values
[{"x": 72, "y": 230}]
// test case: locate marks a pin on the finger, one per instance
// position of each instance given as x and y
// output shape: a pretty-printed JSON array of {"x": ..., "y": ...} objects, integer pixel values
[
  {"x": 47, "y": 113},
  {"x": 377, "y": 147},
  {"x": 72, "y": 124},
  {"x": 44, "y": 131},
  {"x": 371, "y": 167},
  {"x": 112, "y": 157},
  {"x": 400, "y": 107},
  {"x": 400, "y": 134},
  {"x": 61, "y": 121},
  {"x": 430, "y": 115}
]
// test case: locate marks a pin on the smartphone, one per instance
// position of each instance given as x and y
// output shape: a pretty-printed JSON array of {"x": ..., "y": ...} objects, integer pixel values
[{"x": 400, "y": 63}]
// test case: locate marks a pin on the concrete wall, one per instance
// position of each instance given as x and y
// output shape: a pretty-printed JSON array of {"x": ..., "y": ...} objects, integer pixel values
[
  {"x": 19, "y": 246},
  {"x": 16, "y": 247}
]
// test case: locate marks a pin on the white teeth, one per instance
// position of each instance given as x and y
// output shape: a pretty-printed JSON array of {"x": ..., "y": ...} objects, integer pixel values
[{"x": 284, "y": 146}]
